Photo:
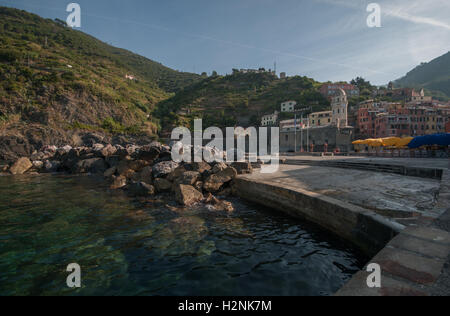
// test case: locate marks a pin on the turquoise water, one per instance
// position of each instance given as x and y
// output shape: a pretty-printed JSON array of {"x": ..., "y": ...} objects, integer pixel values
[{"x": 152, "y": 247}]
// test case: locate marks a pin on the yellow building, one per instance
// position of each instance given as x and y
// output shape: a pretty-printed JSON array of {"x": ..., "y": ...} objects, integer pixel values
[{"x": 320, "y": 118}]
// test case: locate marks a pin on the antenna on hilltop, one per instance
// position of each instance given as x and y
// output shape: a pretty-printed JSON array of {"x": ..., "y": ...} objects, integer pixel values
[{"x": 275, "y": 67}]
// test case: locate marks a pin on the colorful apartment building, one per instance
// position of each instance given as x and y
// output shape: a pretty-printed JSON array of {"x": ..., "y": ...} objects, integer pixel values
[
  {"x": 320, "y": 118},
  {"x": 398, "y": 120}
]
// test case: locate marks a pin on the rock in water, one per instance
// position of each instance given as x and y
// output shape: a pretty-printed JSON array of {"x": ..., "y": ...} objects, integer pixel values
[
  {"x": 52, "y": 166},
  {"x": 164, "y": 168},
  {"x": 187, "y": 195},
  {"x": 118, "y": 182},
  {"x": 93, "y": 165},
  {"x": 163, "y": 185},
  {"x": 215, "y": 181},
  {"x": 21, "y": 166},
  {"x": 145, "y": 175},
  {"x": 110, "y": 172},
  {"x": 38, "y": 164},
  {"x": 223, "y": 206},
  {"x": 140, "y": 189}
]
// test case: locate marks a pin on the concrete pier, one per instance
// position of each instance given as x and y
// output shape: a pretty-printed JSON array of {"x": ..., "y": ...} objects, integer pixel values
[{"x": 386, "y": 214}]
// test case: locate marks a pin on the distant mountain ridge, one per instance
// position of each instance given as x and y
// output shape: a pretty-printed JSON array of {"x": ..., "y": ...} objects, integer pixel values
[{"x": 433, "y": 76}]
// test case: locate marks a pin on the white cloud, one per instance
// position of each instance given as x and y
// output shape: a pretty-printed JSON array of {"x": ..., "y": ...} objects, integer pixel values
[{"x": 399, "y": 13}]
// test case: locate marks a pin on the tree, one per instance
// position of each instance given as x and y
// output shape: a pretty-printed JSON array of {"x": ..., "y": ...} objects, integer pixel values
[
  {"x": 362, "y": 84},
  {"x": 214, "y": 74}
]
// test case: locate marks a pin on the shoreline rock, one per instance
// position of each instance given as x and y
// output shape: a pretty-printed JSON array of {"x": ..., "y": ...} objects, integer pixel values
[{"x": 141, "y": 171}]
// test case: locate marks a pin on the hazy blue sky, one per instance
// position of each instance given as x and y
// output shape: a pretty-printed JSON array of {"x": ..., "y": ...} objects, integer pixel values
[{"x": 323, "y": 39}]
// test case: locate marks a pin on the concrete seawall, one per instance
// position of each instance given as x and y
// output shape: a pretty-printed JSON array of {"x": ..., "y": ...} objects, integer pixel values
[
  {"x": 366, "y": 229},
  {"x": 412, "y": 252},
  {"x": 416, "y": 262}
]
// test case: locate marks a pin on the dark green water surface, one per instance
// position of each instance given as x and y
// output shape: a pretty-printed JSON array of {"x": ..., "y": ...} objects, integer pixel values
[{"x": 126, "y": 247}]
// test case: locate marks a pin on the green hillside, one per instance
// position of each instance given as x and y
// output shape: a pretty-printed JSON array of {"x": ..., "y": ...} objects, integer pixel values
[
  {"x": 433, "y": 76},
  {"x": 237, "y": 99},
  {"x": 63, "y": 79},
  {"x": 56, "y": 83}
]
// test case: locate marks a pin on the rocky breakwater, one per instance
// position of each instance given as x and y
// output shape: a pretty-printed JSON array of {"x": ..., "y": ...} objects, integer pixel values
[{"x": 141, "y": 171}]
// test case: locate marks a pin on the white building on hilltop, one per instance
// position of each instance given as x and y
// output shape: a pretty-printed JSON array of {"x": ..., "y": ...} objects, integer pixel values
[
  {"x": 288, "y": 106},
  {"x": 269, "y": 120},
  {"x": 339, "y": 108}
]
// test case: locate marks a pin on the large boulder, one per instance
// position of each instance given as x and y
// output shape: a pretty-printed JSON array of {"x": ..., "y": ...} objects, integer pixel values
[
  {"x": 163, "y": 169},
  {"x": 121, "y": 152},
  {"x": 62, "y": 151},
  {"x": 140, "y": 189},
  {"x": 197, "y": 166},
  {"x": 162, "y": 185},
  {"x": 215, "y": 181},
  {"x": 39, "y": 156},
  {"x": 118, "y": 182},
  {"x": 110, "y": 172},
  {"x": 93, "y": 165},
  {"x": 188, "y": 178},
  {"x": 219, "y": 205},
  {"x": 219, "y": 166},
  {"x": 108, "y": 151},
  {"x": 149, "y": 152},
  {"x": 38, "y": 165},
  {"x": 52, "y": 166},
  {"x": 242, "y": 167},
  {"x": 137, "y": 165},
  {"x": 178, "y": 172},
  {"x": 71, "y": 159},
  {"x": 21, "y": 166},
  {"x": 113, "y": 161},
  {"x": 125, "y": 169},
  {"x": 145, "y": 175},
  {"x": 187, "y": 195}
]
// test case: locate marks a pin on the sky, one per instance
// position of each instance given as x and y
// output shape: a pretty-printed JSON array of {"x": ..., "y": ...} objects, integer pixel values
[{"x": 328, "y": 40}]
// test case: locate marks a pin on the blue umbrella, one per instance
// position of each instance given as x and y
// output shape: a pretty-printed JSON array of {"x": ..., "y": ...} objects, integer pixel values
[{"x": 430, "y": 140}]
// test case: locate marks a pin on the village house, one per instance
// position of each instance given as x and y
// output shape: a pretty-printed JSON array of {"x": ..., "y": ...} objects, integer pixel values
[
  {"x": 270, "y": 119},
  {"x": 320, "y": 118},
  {"x": 290, "y": 125},
  {"x": 288, "y": 106}
]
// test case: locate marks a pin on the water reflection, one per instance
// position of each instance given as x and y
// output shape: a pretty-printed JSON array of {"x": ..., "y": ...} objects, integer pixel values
[{"x": 125, "y": 247}]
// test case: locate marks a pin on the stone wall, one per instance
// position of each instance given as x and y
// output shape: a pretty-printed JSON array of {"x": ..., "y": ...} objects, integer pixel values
[
  {"x": 335, "y": 138},
  {"x": 369, "y": 231}
]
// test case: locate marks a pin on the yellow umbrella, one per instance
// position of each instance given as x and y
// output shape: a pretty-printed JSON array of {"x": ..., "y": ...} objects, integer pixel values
[
  {"x": 403, "y": 142},
  {"x": 390, "y": 141},
  {"x": 375, "y": 142}
]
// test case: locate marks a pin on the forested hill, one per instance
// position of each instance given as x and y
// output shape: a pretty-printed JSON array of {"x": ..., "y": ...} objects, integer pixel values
[
  {"x": 433, "y": 76},
  {"x": 54, "y": 80},
  {"x": 238, "y": 99}
]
